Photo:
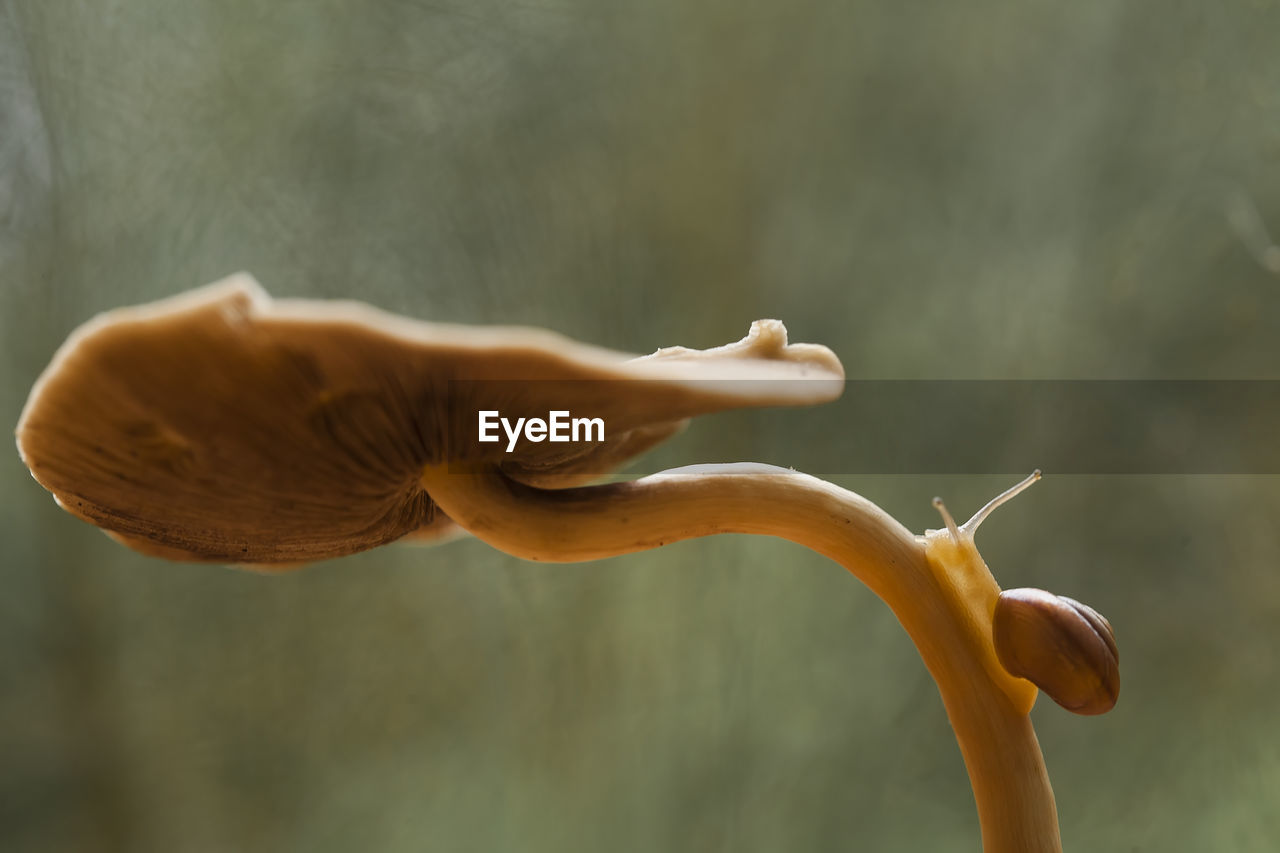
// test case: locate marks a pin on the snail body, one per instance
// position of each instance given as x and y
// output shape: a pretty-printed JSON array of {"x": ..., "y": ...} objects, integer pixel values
[{"x": 1063, "y": 647}]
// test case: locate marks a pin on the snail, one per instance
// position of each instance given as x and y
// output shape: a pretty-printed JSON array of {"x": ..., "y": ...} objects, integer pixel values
[{"x": 1065, "y": 648}]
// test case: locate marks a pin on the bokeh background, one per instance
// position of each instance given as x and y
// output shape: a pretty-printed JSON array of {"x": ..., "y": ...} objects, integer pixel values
[{"x": 980, "y": 190}]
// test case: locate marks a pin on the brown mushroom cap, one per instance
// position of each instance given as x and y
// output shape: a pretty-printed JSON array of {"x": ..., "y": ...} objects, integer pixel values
[{"x": 221, "y": 425}]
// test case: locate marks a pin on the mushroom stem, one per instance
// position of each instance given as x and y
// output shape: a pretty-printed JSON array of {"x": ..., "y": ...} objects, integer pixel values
[{"x": 987, "y": 707}]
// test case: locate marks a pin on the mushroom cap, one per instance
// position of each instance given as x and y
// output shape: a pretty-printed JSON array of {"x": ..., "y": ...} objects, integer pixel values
[{"x": 222, "y": 425}]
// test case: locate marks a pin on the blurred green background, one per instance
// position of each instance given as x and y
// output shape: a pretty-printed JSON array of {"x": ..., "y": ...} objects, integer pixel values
[{"x": 977, "y": 190}]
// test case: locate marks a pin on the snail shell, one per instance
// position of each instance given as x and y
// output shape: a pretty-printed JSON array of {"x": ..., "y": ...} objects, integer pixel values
[{"x": 1065, "y": 648}]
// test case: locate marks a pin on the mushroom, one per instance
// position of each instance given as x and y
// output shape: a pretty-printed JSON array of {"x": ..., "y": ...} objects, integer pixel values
[{"x": 223, "y": 426}]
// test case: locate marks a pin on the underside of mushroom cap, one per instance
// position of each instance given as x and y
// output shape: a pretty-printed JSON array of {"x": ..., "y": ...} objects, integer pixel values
[{"x": 222, "y": 425}]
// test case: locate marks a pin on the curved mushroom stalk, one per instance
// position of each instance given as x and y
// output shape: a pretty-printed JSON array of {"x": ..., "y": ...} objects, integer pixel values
[{"x": 945, "y": 605}]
